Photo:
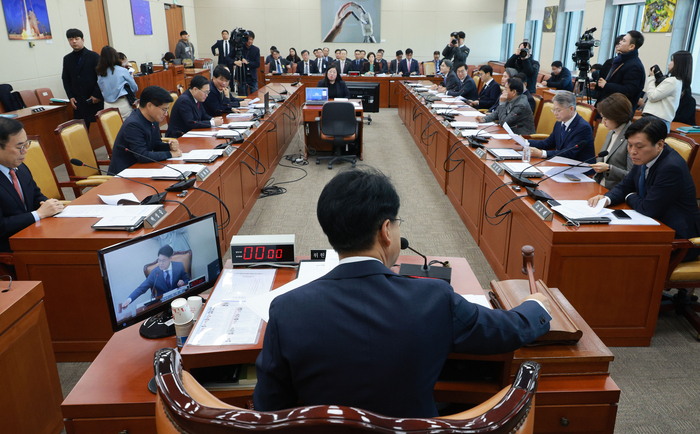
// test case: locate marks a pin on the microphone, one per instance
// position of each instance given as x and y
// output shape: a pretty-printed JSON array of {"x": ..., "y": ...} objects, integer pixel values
[
  {"x": 423, "y": 271},
  {"x": 524, "y": 182},
  {"x": 153, "y": 199},
  {"x": 536, "y": 194},
  {"x": 178, "y": 186}
]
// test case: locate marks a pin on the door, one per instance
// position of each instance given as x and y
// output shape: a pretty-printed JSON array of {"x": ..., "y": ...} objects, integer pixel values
[
  {"x": 174, "y": 23},
  {"x": 96, "y": 22}
]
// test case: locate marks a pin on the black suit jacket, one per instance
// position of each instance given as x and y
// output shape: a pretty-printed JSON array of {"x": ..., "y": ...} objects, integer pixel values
[
  {"x": 626, "y": 76},
  {"x": 284, "y": 63},
  {"x": 346, "y": 66},
  {"x": 363, "y": 336},
  {"x": 14, "y": 215},
  {"x": 217, "y": 104},
  {"x": 451, "y": 82},
  {"x": 80, "y": 82},
  {"x": 385, "y": 66},
  {"x": 394, "y": 66},
  {"x": 141, "y": 136},
  {"x": 366, "y": 65},
  {"x": 324, "y": 66},
  {"x": 356, "y": 65},
  {"x": 187, "y": 115},
  {"x": 312, "y": 67},
  {"x": 467, "y": 89},
  {"x": 579, "y": 131},
  {"x": 489, "y": 95},
  {"x": 670, "y": 194},
  {"x": 223, "y": 60}
]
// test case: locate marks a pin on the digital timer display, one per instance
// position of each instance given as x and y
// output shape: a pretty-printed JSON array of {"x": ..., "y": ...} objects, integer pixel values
[{"x": 262, "y": 253}]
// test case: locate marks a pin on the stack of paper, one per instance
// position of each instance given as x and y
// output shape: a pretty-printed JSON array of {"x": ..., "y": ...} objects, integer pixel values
[
  {"x": 579, "y": 209},
  {"x": 199, "y": 154},
  {"x": 107, "y": 211},
  {"x": 119, "y": 199},
  {"x": 240, "y": 125},
  {"x": 553, "y": 172},
  {"x": 199, "y": 133}
]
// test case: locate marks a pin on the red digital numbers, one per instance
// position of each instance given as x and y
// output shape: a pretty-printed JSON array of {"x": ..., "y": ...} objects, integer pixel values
[
  {"x": 260, "y": 253},
  {"x": 247, "y": 253},
  {"x": 279, "y": 254}
]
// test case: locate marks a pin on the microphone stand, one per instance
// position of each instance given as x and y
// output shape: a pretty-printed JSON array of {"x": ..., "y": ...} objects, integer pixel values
[
  {"x": 154, "y": 199},
  {"x": 423, "y": 271}
]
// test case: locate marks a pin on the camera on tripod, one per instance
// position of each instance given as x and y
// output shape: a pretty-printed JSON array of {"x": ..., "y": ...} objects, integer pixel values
[
  {"x": 584, "y": 51},
  {"x": 239, "y": 37}
]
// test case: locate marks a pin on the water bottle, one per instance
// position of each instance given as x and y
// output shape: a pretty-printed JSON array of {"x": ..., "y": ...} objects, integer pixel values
[{"x": 526, "y": 152}]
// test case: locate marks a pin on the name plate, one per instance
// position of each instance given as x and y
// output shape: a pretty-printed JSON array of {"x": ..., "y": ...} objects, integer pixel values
[
  {"x": 432, "y": 110},
  {"x": 542, "y": 211},
  {"x": 317, "y": 255},
  {"x": 247, "y": 133},
  {"x": 204, "y": 174},
  {"x": 154, "y": 218},
  {"x": 480, "y": 153},
  {"x": 497, "y": 168},
  {"x": 229, "y": 150},
  {"x": 256, "y": 124}
]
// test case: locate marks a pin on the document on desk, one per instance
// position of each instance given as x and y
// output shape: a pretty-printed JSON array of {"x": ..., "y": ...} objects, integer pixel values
[
  {"x": 569, "y": 161},
  {"x": 238, "y": 115},
  {"x": 578, "y": 209},
  {"x": 226, "y": 318},
  {"x": 444, "y": 106},
  {"x": 478, "y": 299},
  {"x": 107, "y": 211},
  {"x": 202, "y": 154},
  {"x": 240, "y": 125},
  {"x": 553, "y": 173},
  {"x": 636, "y": 218},
  {"x": 119, "y": 199},
  {"x": 203, "y": 133}
]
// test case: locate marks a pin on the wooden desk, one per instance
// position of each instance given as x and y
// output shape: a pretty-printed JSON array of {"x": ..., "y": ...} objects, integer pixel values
[
  {"x": 574, "y": 383},
  {"x": 191, "y": 72},
  {"x": 42, "y": 124},
  {"x": 62, "y": 252},
  {"x": 312, "y": 138},
  {"x": 31, "y": 392},
  {"x": 168, "y": 80},
  {"x": 612, "y": 275}
]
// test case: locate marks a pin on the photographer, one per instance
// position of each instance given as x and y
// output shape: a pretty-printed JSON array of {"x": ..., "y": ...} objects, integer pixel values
[
  {"x": 626, "y": 74},
  {"x": 456, "y": 50},
  {"x": 522, "y": 61},
  {"x": 664, "y": 92},
  {"x": 248, "y": 64}
]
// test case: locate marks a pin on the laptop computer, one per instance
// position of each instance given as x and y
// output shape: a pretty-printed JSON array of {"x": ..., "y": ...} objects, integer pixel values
[{"x": 316, "y": 95}]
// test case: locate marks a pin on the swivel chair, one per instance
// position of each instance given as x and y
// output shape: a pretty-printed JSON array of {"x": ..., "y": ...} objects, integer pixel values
[
  {"x": 109, "y": 122},
  {"x": 339, "y": 126}
]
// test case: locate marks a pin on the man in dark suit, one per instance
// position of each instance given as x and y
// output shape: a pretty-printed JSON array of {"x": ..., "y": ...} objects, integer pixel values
[
  {"x": 224, "y": 48},
  {"x": 345, "y": 338},
  {"x": 247, "y": 74},
  {"x": 319, "y": 63},
  {"x": 467, "y": 87},
  {"x": 659, "y": 185},
  {"x": 140, "y": 133},
  {"x": 560, "y": 78},
  {"x": 490, "y": 91},
  {"x": 409, "y": 65},
  {"x": 382, "y": 61},
  {"x": 21, "y": 201},
  {"x": 394, "y": 65},
  {"x": 168, "y": 275},
  {"x": 279, "y": 65},
  {"x": 219, "y": 100},
  {"x": 569, "y": 131},
  {"x": 356, "y": 65},
  {"x": 306, "y": 66},
  {"x": 188, "y": 112},
  {"x": 80, "y": 79},
  {"x": 343, "y": 63},
  {"x": 450, "y": 82},
  {"x": 626, "y": 74}
]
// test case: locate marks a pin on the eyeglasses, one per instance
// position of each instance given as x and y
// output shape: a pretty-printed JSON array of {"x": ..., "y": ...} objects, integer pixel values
[
  {"x": 205, "y": 92},
  {"x": 165, "y": 108},
  {"x": 397, "y": 219},
  {"x": 23, "y": 147},
  {"x": 558, "y": 110}
]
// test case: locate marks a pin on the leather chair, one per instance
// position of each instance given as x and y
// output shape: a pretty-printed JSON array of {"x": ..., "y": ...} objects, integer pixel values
[
  {"x": 538, "y": 103},
  {"x": 185, "y": 257},
  {"x": 134, "y": 65},
  {"x": 45, "y": 178},
  {"x": 601, "y": 133},
  {"x": 29, "y": 98},
  {"x": 164, "y": 125},
  {"x": 545, "y": 121},
  {"x": 183, "y": 406},
  {"x": 75, "y": 143},
  {"x": 586, "y": 111},
  {"x": 428, "y": 68},
  {"x": 339, "y": 126},
  {"x": 478, "y": 83},
  {"x": 109, "y": 121},
  {"x": 687, "y": 147},
  {"x": 44, "y": 95}
]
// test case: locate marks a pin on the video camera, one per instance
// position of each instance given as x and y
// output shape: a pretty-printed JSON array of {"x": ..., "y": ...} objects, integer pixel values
[
  {"x": 584, "y": 51},
  {"x": 239, "y": 37}
]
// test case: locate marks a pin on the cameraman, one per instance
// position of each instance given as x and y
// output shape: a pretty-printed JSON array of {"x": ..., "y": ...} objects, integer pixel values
[
  {"x": 248, "y": 64},
  {"x": 522, "y": 61},
  {"x": 626, "y": 74},
  {"x": 456, "y": 50}
]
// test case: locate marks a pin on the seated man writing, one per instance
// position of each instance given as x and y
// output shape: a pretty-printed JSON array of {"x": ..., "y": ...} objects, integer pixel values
[
  {"x": 168, "y": 275},
  {"x": 366, "y": 337}
]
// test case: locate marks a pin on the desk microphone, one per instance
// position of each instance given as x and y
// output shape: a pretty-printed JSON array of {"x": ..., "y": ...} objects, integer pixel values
[
  {"x": 423, "y": 271},
  {"x": 524, "y": 182},
  {"x": 178, "y": 186},
  {"x": 153, "y": 199},
  {"x": 536, "y": 194}
]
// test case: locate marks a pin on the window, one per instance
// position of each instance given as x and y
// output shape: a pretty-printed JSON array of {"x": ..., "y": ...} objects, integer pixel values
[
  {"x": 508, "y": 41},
  {"x": 693, "y": 45},
  {"x": 535, "y": 38},
  {"x": 574, "y": 24},
  {"x": 629, "y": 17}
]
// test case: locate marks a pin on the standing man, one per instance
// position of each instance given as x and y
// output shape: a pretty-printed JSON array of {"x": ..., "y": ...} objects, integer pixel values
[
  {"x": 224, "y": 48},
  {"x": 21, "y": 201},
  {"x": 408, "y": 66},
  {"x": 560, "y": 78},
  {"x": 626, "y": 74},
  {"x": 305, "y": 66},
  {"x": 522, "y": 61},
  {"x": 188, "y": 112},
  {"x": 382, "y": 61},
  {"x": 456, "y": 50},
  {"x": 80, "y": 79},
  {"x": 394, "y": 65},
  {"x": 184, "y": 48},
  {"x": 247, "y": 74}
]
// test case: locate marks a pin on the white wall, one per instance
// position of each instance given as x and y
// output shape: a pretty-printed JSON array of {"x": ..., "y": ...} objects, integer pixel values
[{"x": 421, "y": 25}]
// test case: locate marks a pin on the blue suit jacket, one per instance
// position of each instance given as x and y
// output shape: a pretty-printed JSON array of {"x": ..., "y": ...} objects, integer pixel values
[
  {"x": 14, "y": 214},
  {"x": 156, "y": 279},
  {"x": 670, "y": 194},
  {"x": 366, "y": 337},
  {"x": 562, "y": 80},
  {"x": 489, "y": 95},
  {"x": 186, "y": 115},
  {"x": 355, "y": 65},
  {"x": 451, "y": 82},
  {"x": 578, "y": 131},
  {"x": 312, "y": 67},
  {"x": 467, "y": 89},
  {"x": 405, "y": 69},
  {"x": 141, "y": 136},
  {"x": 217, "y": 104}
]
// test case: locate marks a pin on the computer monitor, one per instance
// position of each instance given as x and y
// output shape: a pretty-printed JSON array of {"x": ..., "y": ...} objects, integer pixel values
[
  {"x": 266, "y": 100},
  {"x": 316, "y": 94},
  {"x": 142, "y": 276}
]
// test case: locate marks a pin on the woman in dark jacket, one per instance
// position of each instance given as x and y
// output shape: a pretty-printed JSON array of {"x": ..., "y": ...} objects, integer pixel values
[
  {"x": 336, "y": 86},
  {"x": 371, "y": 67}
]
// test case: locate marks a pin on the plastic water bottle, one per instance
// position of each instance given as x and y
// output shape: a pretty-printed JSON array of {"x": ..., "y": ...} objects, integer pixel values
[{"x": 526, "y": 152}]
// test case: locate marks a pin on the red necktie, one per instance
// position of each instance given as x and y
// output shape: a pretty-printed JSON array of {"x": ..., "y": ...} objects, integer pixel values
[{"x": 15, "y": 182}]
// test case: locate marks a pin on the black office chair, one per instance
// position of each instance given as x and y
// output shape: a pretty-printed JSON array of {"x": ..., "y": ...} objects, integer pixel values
[{"x": 339, "y": 126}]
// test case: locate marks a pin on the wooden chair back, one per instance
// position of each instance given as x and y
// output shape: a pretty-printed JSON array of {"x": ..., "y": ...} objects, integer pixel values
[
  {"x": 687, "y": 147},
  {"x": 29, "y": 98},
  {"x": 109, "y": 121},
  {"x": 134, "y": 65},
  {"x": 538, "y": 104},
  {"x": 546, "y": 119},
  {"x": 601, "y": 133},
  {"x": 175, "y": 95},
  {"x": 185, "y": 257},
  {"x": 183, "y": 406},
  {"x": 479, "y": 84},
  {"x": 498, "y": 67},
  {"x": 471, "y": 69},
  {"x": 586, "y": 111},
  {"x": 43, "y": 175},
  {"x": 428, "y": 68},
  {"x": 44, "y": 95},
  {"x": 75, "y": 143}
]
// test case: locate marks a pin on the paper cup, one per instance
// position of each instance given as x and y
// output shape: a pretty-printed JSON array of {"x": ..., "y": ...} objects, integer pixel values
[
  {"x": 181, "y": 311},
  {"x": 195, "y": 303},
  {"x": 182, "y": 332}
]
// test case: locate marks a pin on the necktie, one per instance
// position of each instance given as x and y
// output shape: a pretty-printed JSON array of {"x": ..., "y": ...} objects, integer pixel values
[
  {"x": 306, "y": 68},
  {"x": 318, "y": 65},
  {"x": 563, "y": 132},
  {"x": 279, "y": 68},
  {"x": 15, "y": 183},
  {"x": 642, "y": 182},
  {"x": 167, "y": 279},
  {"x": 225, "y": 48}
]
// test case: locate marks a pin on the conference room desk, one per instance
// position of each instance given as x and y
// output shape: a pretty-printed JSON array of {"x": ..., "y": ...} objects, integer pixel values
[
  {"x": 61, "y": 252},
  {"x": 167, "y": 79},
  {"x": 388, "y": 86},
  {"x": 574, "y": 386},
  {"x": 613, "y": 275},
  {"x": 42, "y": 124},
  {"x": 311, "y": 137}
]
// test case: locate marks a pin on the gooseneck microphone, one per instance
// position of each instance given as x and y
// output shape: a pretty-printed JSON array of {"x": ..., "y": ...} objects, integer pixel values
[
  {"x": 424, "y": 271},
  {"x": 153, "y": 199},
  {"x": 178, "y": 186}
]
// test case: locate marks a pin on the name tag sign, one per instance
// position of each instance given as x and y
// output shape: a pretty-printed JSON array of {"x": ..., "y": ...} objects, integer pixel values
[
  {"x": 445, "y": 124},
  {"x": 204, "y": 174},
  {"x": 318, "y": 255},
  {"x": 497, "y": 168},
  {"x": 154, "y": 218},
  {"x": 542, "y": 211},
  {"x": 247, "y": 133},
  {"x": 480, "y": 153},
  {"x": 229, "y": 150},
  {"x": 256, "y": 124}
]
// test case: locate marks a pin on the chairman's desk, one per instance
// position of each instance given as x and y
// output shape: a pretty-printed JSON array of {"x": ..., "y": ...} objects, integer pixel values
[
  {"x": 311, "y": 137},
  {"x": 388, "y": 86},
  {"x": 575, "y": 386},
  {"x": 61, "y": 252},
  {"x": 612, "y": 275}
]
